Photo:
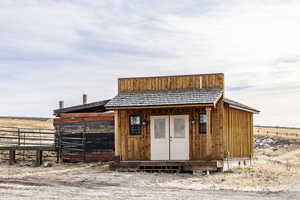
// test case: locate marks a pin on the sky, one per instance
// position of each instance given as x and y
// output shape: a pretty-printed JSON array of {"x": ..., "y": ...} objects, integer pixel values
[{"x": 53, "y": 50}]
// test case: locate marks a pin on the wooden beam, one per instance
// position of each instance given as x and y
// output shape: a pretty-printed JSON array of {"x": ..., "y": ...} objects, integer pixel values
[
  {"x": 83, "y": 119},
  {"x": 153, "y": 107},
  {"x": 208, "y": 131},
  {"x": 218, "y": 99},
  {"x": 29, "y": 148},
  {"x": 117, "y": 150},
  {"x": 70, "y": 115}
]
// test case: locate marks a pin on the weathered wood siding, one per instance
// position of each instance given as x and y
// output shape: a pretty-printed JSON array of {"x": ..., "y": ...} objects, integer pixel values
[
  {"x": 85, "y": 122},
  {"x": 202, "y": 146},
  {"x": 171, "y": 82},
  {"x": 238, "y": 133}
]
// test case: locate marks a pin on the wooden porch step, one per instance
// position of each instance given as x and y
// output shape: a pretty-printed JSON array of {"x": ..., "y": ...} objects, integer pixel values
[{"x": 167, "y": 166}]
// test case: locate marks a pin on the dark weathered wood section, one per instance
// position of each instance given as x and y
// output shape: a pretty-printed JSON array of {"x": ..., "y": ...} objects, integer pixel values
[
  {"x": 86, "y": 147},
  {"x": 85, "y": 122},
  {"x": 85, "y": 136}
]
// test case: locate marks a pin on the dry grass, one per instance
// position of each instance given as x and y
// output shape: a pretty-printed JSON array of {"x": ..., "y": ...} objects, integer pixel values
[
  {"x": 26, "y": 123},
  {"x": 277, "y": 131}
]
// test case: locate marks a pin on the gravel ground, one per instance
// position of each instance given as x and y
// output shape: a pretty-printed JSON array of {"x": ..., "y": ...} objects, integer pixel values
[
  {"x": 96, "y": 182},
  {"x": 269, "y": 178}
]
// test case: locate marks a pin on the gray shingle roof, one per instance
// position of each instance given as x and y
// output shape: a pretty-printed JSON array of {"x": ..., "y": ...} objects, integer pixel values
[
  {"x": 237, "y": 105},
  {"x": 166, "y": 97}
]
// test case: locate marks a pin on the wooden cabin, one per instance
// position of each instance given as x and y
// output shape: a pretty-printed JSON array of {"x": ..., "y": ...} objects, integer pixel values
[{"x": 182, "y": 121}]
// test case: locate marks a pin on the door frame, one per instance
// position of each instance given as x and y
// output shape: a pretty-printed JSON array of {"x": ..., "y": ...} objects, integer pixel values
[{"x": 168, "y": 134}]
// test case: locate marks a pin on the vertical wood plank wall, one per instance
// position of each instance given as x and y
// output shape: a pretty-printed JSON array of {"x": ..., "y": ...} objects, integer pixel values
[
  {"x": 138, "y": 147},
  {"x": 171, "y": 82},
  {"x": 238, "y": 133},
  {"x": 231, "y": 129}
]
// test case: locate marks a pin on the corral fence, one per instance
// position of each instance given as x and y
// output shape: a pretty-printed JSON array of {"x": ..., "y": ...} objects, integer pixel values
[
  {"x": 28, "y": 145},
  {"x": 86, "y": 146},
  {"x": 277, "y": 131}
]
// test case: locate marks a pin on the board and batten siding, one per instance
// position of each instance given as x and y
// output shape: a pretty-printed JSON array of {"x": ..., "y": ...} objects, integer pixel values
[
  {"x": 202, "y": 146},
  {"x": 171, "y": 82},
  {"x": 238, "y": 133}
]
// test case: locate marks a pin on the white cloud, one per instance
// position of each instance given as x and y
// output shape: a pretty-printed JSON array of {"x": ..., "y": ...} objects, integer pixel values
[{"x": 52, "y": 50}]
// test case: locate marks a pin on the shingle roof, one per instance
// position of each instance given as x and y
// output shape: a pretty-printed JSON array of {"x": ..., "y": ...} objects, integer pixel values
[
  {"x": 166, "y": 97},
  {"x": 237, "y": 105}
]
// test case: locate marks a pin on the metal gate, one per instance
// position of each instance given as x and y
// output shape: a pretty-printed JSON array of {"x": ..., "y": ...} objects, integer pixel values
[{"x": 86, "y": 147}]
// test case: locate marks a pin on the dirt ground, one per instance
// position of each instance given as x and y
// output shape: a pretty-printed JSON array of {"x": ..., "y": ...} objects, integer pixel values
[{"x": 275, "y": 174}]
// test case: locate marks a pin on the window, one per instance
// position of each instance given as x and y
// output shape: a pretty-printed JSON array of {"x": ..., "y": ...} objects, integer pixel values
[
  {"x": 135, "y": 125},
  {"x": 202, "y": 123},
  {"x": 160, "y": 128},
  {"x": 179, "y": 128}
]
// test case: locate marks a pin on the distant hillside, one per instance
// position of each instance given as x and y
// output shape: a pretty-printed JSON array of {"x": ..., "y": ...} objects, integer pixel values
[
  {"x": 27, "y": 122},
  {"x": 278, "y": 131}
]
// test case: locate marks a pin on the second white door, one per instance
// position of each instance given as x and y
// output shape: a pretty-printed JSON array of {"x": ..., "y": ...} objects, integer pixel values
[{"x": 179, "y": 137}]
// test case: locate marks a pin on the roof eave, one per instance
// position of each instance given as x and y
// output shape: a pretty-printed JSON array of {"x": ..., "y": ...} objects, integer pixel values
[
  {"x": 218, "y": 99},
  {"x": 158, "y": 106},
  {"x": 244, "y": 109},
  {"x": 80, "y": 107}
]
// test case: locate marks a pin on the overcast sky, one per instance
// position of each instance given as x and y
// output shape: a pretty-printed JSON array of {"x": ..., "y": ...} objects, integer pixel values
[{"x": 53, "y": 50}]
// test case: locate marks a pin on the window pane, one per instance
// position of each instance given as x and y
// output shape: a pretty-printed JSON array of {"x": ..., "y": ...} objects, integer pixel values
[
  {"x": 135, "y": 120},
  {"x": 159, "y": 128},
  {"x": 135, "y": 125},
  {"x": 135, "y": 130},
  {"x": 179, "y": 128},
  {"x": 203, "y": 128},
  {"x": 202, "y": 118},
  {"x": 202, "y": 123}
]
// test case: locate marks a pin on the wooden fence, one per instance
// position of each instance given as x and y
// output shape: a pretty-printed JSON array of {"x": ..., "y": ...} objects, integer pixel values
[{"x": 28, "y": 145}]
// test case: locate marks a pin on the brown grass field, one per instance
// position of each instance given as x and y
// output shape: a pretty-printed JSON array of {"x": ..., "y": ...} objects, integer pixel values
[
  {"x": 277, "y": 131},
  {"x": 27, "y": 122},
  {"x": 274, "y": 174}
]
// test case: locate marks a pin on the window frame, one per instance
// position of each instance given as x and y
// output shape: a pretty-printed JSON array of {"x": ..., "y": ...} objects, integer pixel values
[
  {"x": 201, "y": 124},
  {"x": 135, "y": 127}
]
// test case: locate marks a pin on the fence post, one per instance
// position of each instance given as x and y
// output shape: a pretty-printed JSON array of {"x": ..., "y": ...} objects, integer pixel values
[
  {"x": 39, "y": 158},
  {"x": 24, "y": 138},
  {"x": 12, "y": 157},
  {"x": 19, "y": 139},
  {"x": 84, "y": 146},
  {"x": 84, "y": 142},
  {"x": 57, "y": 144},
  {"x": 60, "y": 144}
]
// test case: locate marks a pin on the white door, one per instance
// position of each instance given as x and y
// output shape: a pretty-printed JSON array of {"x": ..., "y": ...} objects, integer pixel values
[
  {"x": 160, "y": 138},
  {"x": 179, "y": 137},
  {"x": 170, "y": 137}
]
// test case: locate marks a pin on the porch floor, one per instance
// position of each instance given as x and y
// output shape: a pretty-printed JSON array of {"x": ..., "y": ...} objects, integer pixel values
[{"x": 167, "y": 165}]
